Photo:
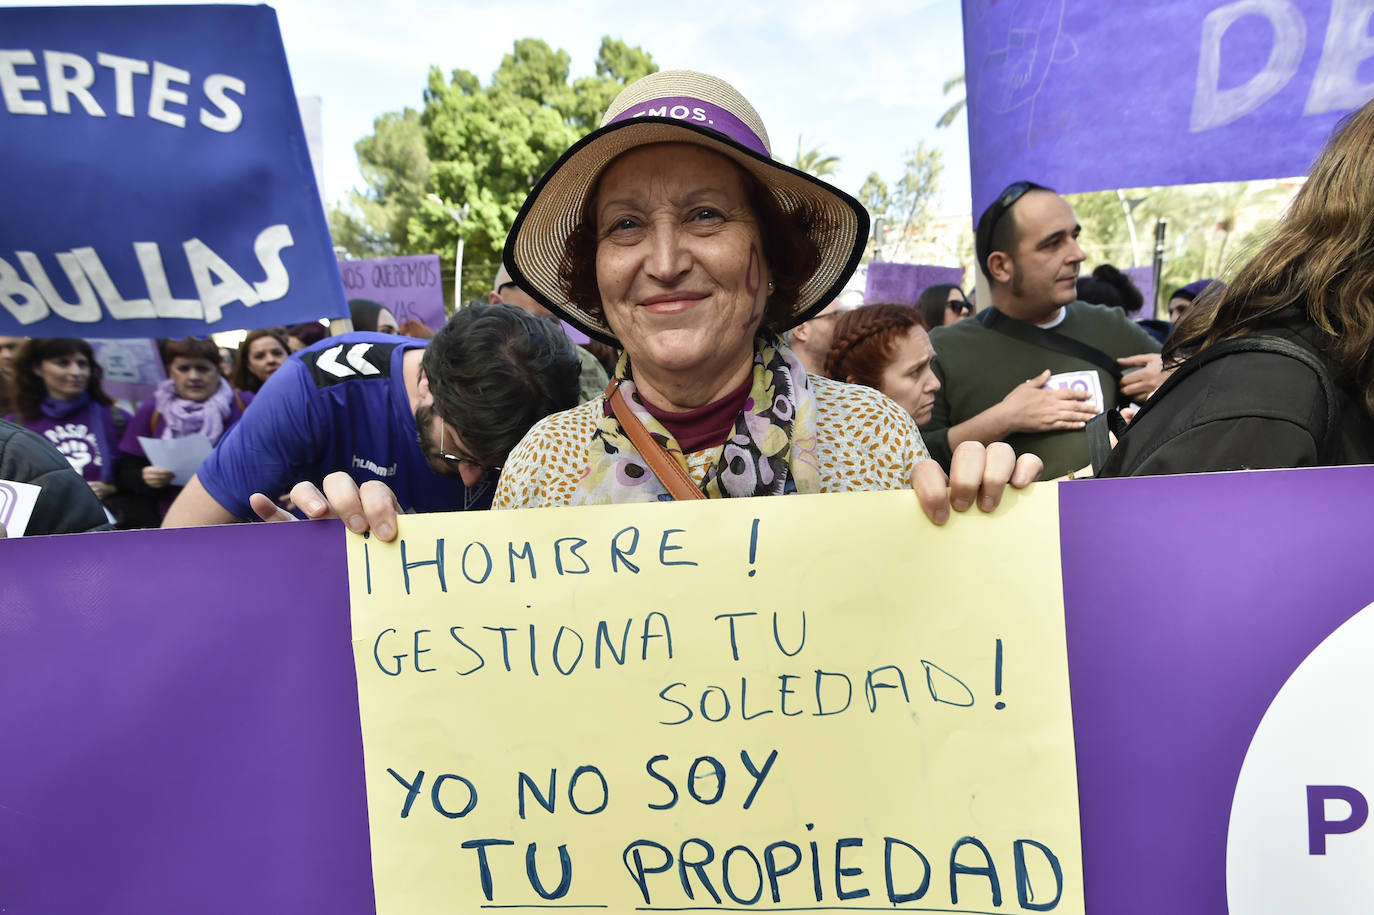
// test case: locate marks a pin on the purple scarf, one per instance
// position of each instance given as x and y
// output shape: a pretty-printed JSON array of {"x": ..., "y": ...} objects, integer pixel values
[{"x": 187, "y": 417}]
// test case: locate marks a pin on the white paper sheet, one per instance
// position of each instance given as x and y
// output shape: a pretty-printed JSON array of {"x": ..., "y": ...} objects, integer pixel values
[{"x": 180, "y": 455}]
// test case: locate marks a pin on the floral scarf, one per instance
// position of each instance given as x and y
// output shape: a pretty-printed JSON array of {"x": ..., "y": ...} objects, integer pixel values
[{"x": 770, "y": 451}]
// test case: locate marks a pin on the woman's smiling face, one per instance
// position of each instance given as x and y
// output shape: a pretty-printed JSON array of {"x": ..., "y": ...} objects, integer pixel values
[{"x": 679, "y": 260}]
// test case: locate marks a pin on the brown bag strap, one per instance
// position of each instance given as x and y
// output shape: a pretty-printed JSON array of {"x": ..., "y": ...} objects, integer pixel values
[{"x": 668, "y": 471}]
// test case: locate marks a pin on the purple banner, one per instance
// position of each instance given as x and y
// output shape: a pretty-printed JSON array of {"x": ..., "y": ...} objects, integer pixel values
[
  {"x": 409, "y": 286},
  {"x": 902, "y": 284},
  {"x": 173, "y": 744},
  {"x": 1202, "y": 91},
  {"x": 1173, "y": 665}
]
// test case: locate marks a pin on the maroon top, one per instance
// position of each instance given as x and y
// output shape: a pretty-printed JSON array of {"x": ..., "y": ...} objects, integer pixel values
[{"x": 705, "y": 426}]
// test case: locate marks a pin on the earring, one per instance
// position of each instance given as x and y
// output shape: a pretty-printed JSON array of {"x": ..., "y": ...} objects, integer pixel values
[{"x": 771, "y": 287}]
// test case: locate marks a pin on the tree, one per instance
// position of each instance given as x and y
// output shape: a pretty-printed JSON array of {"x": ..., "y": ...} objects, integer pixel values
[
  {"x": 952, "y": 111},
  {"x": 486, "y": 146},
  {"x": 1210, "y": 225},
  {"x": 815, "y": 162},
  {"x": 395, "y": 165}
]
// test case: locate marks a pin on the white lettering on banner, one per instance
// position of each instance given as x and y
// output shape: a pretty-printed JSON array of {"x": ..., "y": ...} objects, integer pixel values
[
  {"x": 1216, "y": 107},
  {"x": 31, "y": 296},
  {"x": 73, "y": 76},
  {"x": 1335, "y": 87}
]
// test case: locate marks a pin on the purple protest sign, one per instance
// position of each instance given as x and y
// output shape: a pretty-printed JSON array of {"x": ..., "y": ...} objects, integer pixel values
[
  {"x": 902, "y": 284},
  {"x": 173, "y": 744},
  {"x": 1174, "y": 664},
  {"x": 409, "y": 286},
  {"x": 1211, "y": 91},
  {"x": 1144, "y": 279},
  {"x": 132, "y": 368}
]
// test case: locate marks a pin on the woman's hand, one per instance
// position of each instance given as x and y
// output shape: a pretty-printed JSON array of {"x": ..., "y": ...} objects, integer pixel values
[
  {"x": 157, "y": 477},
  {"x": 977, "y": 474},
  {"x": 372, "y": 506},
  {"x": 101, "y": 489}
]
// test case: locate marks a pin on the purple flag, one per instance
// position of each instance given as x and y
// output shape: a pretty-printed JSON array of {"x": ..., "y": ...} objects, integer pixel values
[
  {"x": 1174, "y": 663},
  {"x": 180, "y": 724},
  {"x": 902, "y": 284},
  {"x": 409, "y": 286},
  {"x": 1087, "y": 96}
]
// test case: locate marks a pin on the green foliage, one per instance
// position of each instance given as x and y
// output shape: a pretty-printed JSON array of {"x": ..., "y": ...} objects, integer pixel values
[
  {"x": 1211, "y": 226},
  {"x": 952, "y": 112},
  {"x": 484, "y": 147},
  {"x": 815, "y": 162},
  {"x": 395, "y": 165},
  {"x": 905, "y": 207}
]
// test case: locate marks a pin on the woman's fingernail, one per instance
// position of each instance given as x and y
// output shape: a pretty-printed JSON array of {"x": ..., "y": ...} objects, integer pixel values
[
  {"x": 357, "y": 524},
  {"x": 961, "y": 504},
  {"x": 987, "y": 504},
  {"x": 385, "y": 531}
]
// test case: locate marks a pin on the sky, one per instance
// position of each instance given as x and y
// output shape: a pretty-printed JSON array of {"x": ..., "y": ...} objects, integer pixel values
[{"x": 861, "y": 80}]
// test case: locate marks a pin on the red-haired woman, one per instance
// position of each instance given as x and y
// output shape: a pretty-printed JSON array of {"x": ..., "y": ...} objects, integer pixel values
[
  {"x": 886, "y": 347},
  {"x": 195, "y": 398}
]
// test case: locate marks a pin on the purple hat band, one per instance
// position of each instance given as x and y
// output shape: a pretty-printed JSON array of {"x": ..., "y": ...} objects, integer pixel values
[{"x": 696, "y": 111}]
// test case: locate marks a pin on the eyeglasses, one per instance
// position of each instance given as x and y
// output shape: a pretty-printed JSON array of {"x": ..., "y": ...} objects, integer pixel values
[
  {"x": 460, "y": 460},
  {"x": 962, "y": 306}
]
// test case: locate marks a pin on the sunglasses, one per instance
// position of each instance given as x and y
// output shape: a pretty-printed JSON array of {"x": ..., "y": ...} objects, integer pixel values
[
  {"x": 994, "y": 213},
  {"x": 1007, "y": 199},
  {"x": 460, "y": 459},
  {"x": 962, "y": 307}
]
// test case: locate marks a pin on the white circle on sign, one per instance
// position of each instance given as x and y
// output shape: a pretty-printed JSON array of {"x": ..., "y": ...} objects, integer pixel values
[{"x": 1315, "y": 734}]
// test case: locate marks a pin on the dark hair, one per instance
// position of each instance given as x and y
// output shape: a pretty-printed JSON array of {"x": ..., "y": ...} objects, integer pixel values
[
  {"x": 994, "y": 233},
  {"x": 865, "y": 339},
  {"x": 1098, "y": 292},
  {"x": 190, "y": 348},
  {"x": 1132, "y": 299},
  {"x": 494, "y": 371},
  {"x": 932, "y": 303},
  {"x": 308, "y": 333},
  {"x": 29, "y": 389},
  {"x": 365, "y": 313},
  {"x": 1319, "y": 257},
  {"x": 242, "y": 378},
  {"x": 787, "y": 236}
]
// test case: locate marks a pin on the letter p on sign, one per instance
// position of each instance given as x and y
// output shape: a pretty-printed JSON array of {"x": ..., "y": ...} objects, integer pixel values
[{"x": 1319, "y": 827}]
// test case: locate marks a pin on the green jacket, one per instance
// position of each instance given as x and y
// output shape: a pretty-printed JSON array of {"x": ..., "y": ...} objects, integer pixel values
[{"x": 978, "y": 366}]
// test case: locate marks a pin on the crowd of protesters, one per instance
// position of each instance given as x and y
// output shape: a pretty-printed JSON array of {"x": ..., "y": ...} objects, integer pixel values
[{"x": 724, "y": 358}]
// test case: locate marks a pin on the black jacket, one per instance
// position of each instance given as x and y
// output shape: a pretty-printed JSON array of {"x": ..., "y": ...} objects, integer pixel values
[
  {"x": 1248, "y": 410},
  {"x": 66, "y": 504}
]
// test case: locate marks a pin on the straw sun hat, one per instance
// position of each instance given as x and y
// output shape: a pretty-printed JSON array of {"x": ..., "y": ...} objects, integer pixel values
[{"x": 677, "y": 106}]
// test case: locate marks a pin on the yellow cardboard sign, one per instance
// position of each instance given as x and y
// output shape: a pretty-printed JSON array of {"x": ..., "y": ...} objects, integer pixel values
[{"x": 803, "y": 703}]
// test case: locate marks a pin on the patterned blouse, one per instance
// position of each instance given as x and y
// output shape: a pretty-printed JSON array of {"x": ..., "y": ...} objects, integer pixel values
[{"x": 864, "y": 442}]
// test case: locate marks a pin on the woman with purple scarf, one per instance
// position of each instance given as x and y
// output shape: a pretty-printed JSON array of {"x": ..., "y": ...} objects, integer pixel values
[
  {"x": 195, "y": 398},
  {"x": 57, "y": 394}
]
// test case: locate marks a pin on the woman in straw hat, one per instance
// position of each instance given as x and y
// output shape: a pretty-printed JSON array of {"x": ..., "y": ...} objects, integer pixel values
[{"x": 671, "y": 233}]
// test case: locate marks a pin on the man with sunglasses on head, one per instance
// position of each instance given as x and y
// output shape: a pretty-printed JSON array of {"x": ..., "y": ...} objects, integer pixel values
[
  {"x": 433, "y": 420},
  {"x": 1021, "y": 371}
]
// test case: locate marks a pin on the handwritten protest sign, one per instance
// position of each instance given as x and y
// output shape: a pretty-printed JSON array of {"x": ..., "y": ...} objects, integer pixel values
[
  {"x": 663, "y": 706},
  {"x": 409, "y": 286},
  {"x": 1220, "y": 90},
  {"x": 156, "y": 176}
]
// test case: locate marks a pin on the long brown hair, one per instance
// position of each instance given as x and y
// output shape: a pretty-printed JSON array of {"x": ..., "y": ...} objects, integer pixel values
[
  {"x": 243, "y": 379},
  {"x": 1320, "y": 256},
  {"x": 29, "y": 389}
]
